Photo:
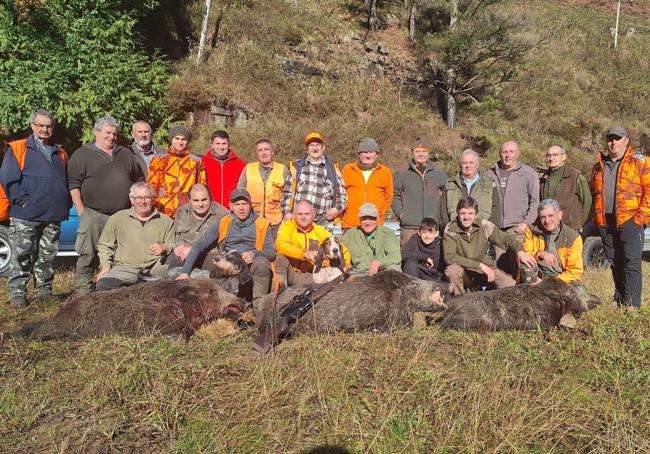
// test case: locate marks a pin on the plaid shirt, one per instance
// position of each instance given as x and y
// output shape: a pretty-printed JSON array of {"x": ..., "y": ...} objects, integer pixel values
[{"x": 315, "y": 186}]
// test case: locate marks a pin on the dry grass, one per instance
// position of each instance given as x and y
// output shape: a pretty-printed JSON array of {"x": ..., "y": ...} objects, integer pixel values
[{"x": 409, "y": 391}]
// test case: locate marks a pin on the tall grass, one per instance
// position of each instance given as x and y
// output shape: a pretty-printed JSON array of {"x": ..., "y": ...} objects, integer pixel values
[{"x": 407, "y": 391}]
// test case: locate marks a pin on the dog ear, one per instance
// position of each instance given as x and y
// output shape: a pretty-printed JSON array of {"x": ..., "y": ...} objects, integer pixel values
[
  {"x": 245, "y": 274},
  {"x": 318, "y": 262}
]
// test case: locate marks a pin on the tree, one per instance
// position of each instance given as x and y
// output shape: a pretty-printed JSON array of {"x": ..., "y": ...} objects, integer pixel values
[
  {"x": 80, "y": 59},
  {"x": 472, "y": 50},
  {"x": 373, "y": 20}
]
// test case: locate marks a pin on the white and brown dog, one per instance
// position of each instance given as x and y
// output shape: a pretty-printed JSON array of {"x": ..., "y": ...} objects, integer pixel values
[{"x": 330, "y": 254}]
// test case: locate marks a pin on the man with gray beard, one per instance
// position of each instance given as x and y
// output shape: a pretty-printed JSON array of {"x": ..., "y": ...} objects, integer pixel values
[{"x": 143, "y": 147}]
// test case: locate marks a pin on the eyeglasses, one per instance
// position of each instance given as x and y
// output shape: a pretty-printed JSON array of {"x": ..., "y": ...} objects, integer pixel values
[
  {"x": 42, "y": 126},
  {"x": 142, "y": 198},
  {"x": 554, "y": 155}
]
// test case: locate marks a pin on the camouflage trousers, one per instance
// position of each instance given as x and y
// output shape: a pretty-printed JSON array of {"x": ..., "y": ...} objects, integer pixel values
[{"x": 34, "y": 246}]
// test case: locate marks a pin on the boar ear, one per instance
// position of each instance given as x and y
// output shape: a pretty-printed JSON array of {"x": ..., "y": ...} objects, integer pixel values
[{"x": 393, "y": 278}]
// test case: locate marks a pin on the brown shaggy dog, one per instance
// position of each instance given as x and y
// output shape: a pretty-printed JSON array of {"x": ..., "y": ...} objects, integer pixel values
[
  {"x": 384, "y": 301},
  {"x": 523, "y": 307},
  {"x": 165, "y": 307}
]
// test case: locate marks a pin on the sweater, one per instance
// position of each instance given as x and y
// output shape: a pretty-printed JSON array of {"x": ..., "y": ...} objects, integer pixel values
[
  {"x": 520, "y": 199},
  {"x": 104, "y": 180},
  {"x": 125, "y": 240}
]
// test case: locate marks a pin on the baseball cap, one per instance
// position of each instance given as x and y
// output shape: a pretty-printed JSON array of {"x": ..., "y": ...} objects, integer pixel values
[
  {"x": 240, "y": 193},
  {"x": 313, "y": 137},
  {"x": 368, "y": 144},
  {"x": 368, "y": 210},
  {"x": 617, "y": 131}
]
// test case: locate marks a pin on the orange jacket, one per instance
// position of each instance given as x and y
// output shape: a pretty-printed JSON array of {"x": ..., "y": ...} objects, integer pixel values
[
  {"x": 378, "y": 190},
  {"x": 632, "y": 199},
  {"x": 171, "y": 177},
  {"x": 569, "y": 249}
]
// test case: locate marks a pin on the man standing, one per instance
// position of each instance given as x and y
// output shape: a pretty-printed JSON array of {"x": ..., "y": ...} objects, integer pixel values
[
  {"x": 222, "y": 168},
  {"x": 241, "y": 231},
  {"x": 192, "y": 221},
  {"x": 315, "y": 178},
  {"x": 419, "y": 185},
  {"x": 518, "y": 186},
  {"x": 373, "y": 247},
  {"x": 367, "y": 181},
  {"x": 470, "y": 183},
  {"x": 621, "y": 186},
  {"x": 171, "y": 176},
  {"x": 134, "y": 241},
  {"x": 556, "y": 247},
  {"x": 264, "y": 180},
  {"x": 35, "y": 198},
  {"x": 465, "y": 244},
  {"x": 568, "y": 186},
  {"x": 297, "y": 245},
  {"x": 100, "y": 175},
  {"x": 143, "y": 147}
]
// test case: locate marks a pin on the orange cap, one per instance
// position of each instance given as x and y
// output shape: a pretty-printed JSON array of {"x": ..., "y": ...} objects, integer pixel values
[{"x": 313, "y": 137}]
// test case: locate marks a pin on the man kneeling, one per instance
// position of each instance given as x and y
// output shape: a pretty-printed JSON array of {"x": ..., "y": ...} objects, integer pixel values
[
  {"x": 241, "y": 231},
  {"x": 556, "y": 247},
  {"x": 465, "y": 246},
  {"x": 134, "y": 241}
]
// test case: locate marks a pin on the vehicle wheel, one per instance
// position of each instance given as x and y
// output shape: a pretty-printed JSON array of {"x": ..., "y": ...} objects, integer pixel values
[
  {"x": 5, "y": 250},
  {"x": 593, "y": 254}
]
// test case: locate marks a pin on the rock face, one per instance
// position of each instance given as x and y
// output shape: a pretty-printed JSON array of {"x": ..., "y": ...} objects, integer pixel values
[
  {"x": 382, "y": 302},
  {"x": 523, "y": 307},
  {"x": 164, "y": 307}
]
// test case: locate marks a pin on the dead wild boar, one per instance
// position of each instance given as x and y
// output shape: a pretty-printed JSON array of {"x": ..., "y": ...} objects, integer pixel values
[
  {"x": 169, "y": 308},
  {"x": 384, "y": 301},
  {"x": 523, "y": 307}
]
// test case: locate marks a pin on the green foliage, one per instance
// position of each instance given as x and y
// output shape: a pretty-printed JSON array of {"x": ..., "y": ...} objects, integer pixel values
[{"x": 80, "y": 59}]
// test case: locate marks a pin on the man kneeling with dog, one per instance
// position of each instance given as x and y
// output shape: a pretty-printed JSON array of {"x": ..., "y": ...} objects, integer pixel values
[
  {"x": 242, "y": 231},
  {"x": 298, "y": 243}
]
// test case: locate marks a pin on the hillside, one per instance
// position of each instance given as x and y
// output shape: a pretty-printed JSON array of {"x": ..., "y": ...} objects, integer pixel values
[{"x": 290, "y": 67}]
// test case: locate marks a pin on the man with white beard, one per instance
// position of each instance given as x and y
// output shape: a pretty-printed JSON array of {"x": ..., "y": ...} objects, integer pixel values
[{"x": 143, "y": 147}]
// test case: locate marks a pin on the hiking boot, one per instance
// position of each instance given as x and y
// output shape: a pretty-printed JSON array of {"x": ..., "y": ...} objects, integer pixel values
[{"x": 18, "y": 302}]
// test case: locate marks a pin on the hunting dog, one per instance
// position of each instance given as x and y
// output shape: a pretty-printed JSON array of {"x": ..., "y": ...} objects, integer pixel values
[{"x": 331, "y": 253}]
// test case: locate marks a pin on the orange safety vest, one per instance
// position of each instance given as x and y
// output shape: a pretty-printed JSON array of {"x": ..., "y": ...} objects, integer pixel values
[
  {"x": 266, "y": 197},
  {"x": 19, "y": 149},
  {"x": 261, "y": 227}
]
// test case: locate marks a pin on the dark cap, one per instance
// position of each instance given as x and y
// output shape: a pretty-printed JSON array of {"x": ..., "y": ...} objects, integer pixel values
[
  {"x": 421, "y": 142},
  {"x": 617, "y": 131},
  {"x": 240, "y": 193},
  {"x": 368, "y": 144},
  {"x": 179, "y": 130}
]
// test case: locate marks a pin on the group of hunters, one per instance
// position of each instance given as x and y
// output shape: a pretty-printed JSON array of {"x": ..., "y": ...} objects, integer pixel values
[{"x": 145, "y": 209}]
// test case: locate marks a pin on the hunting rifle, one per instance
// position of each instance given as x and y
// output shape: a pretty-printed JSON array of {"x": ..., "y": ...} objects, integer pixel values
[{"x": 296, "y": 308}]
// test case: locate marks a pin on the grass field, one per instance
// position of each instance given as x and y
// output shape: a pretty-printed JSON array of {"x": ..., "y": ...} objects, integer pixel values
[{"x": 581, "y": 390}]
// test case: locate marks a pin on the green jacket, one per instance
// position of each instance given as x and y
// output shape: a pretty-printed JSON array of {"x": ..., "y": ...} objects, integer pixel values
[
  {"x": 383, "y": 247},
  {"x": 125, "y": 241},
  {"x": 469, "y": 250},
  {"x": 484, "y": 191}
]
